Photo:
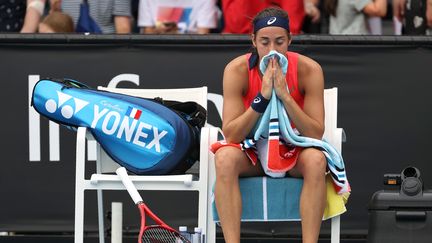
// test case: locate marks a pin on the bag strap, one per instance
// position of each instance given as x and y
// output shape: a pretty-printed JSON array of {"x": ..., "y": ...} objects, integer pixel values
[
  {"x": 194, "y": 113},
  {"x": 71, "y": 83}
]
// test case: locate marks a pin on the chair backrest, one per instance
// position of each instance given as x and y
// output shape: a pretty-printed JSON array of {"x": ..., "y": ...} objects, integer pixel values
[
  {"x": 330, "y": 106},
  {"x": 199, "y": 95}
]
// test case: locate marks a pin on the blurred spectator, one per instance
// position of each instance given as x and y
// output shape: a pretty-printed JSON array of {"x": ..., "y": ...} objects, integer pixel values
[
  {"x": 349, "y": 17},
  {"x": 55, "y": 5},
  {"x": 12, "y": 14},
  {"x": 313, "y": 21},
  {"x": 173, "y": 16},
  {"x": 238, "y": 13},
  {"x": 33, "y": 15},
  {"x": 429, "y": 15},
  {"x": 34, "y": 12},
  {"x": 298, "y": 10},
  {"x": 134, "y": 11},
  {"x": 112, "y": 16},
  {"x": 56, "y": 22},
  {"x": 415, "y": 16},
  {"x": 375, "y": 25}
]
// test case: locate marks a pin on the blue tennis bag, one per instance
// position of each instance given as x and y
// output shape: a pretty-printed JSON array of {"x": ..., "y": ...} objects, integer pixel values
[{"x": 147, "y": 136}]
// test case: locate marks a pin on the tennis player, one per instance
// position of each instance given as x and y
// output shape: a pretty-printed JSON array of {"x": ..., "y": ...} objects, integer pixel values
[{"x": 247, "y": 92}]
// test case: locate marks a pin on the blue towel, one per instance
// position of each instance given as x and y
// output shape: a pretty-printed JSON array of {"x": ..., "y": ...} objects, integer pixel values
[
  {"x": 275, "y": 199},
  {"x": 283, "y": 61}
]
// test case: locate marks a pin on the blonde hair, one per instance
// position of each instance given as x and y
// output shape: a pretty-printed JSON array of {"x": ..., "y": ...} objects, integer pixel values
[{"x": 59, "y": 22}]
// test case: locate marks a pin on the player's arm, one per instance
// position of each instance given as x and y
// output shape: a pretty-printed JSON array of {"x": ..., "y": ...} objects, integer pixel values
[
  {"x": 309, "y": 121},
  {"x": 237, "y": 122}
]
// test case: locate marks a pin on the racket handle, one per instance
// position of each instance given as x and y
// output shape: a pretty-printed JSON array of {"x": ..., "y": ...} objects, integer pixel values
[{"x": 130, "y": 187}]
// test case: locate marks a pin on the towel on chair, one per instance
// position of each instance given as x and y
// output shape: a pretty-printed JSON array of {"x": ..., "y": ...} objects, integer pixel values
[
  {"x": 274, "y": 141},
  {"x": 278, "y": 199}
]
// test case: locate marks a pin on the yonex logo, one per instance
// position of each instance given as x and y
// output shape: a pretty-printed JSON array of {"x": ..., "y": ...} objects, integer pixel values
[
  {"x": 35, "y": 141},
  {"x": 128, "y": 127},
  {"x": 67, "y": 111},
  {"x": 257, "y": 100},
  {"x": 271, "y": 20}
]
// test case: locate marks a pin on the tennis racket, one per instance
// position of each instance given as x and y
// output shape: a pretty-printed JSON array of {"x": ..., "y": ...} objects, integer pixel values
[{"x": 159, "y": 233}]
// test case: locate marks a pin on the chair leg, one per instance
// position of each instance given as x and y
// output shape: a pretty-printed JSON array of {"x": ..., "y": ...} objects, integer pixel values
[
  {"x": 79, "y": 217},
  {"x": 211, "y": 225},
  {"x": 116, "y": 222},
  {"x": 79, "y": 187},
  {"x": 101, "y": 217},
  {"x": 202, "y": 211},
  {"x": 335, "y": 229},
  {"x": 211, "y": 231}
]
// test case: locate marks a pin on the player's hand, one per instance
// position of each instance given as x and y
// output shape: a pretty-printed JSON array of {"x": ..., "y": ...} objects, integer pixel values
[
  {"x": 267, "y": 80},
  {"x": 280, "y": 83}
]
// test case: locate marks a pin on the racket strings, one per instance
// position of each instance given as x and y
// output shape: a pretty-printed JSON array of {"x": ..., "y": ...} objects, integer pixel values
[{"x": 158, "y": 234}]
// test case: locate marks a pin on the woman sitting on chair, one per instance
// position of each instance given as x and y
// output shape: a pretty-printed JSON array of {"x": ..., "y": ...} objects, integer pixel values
[{"x": 247, "y": 92}]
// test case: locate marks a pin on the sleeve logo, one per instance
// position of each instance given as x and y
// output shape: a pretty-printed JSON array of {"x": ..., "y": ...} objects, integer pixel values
[{"x": 257, "y": 100}]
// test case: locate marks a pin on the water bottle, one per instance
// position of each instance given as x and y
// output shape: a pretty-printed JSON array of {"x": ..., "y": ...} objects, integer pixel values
[
  {"x": 196, "y": 237},
  {"x": 183, "y": 231}
]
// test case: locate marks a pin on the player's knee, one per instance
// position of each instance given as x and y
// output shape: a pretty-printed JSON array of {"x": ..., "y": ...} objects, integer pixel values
[
  {"x": 225, "y": 163},
  {"x": 315, "y": 164}
]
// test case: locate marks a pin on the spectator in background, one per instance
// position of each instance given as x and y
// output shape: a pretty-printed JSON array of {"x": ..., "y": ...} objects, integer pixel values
[
  {"x": 349, "y": 17},
  {"x": 112, "y": 16},
  {"x": 297, "y": 11},
  {"x": 56, "y": 22},
  {"x": 34, "y": 12},
  {"x": 174, "y": 16},
  {"x": 134, "y": 11},
  {"x": 412, "y": 17},
  {"x": 313, "y": 20},
  {"x": 429, "y": 15},
  {"x": 238, "y": 13},
  {"x": 12, "y": 13}
]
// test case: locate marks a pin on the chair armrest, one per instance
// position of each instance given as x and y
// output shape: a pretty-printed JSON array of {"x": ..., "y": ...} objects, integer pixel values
[
  {"x": 338, "y": 137},
  {"x": 215, "y": 134},
  {"x": 344, "y": 138},
  {"x": 100, "y": 178}
]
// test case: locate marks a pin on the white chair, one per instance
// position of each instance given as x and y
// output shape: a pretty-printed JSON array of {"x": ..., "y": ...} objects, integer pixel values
[
  {"x": 99, "y": 181},
  {"x": 332, "y": 134}
]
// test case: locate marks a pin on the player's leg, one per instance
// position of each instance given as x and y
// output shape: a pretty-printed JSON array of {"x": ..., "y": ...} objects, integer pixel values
[
  {"x": 311, "y": 165},
  {"x": 231, "y": 163}
]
